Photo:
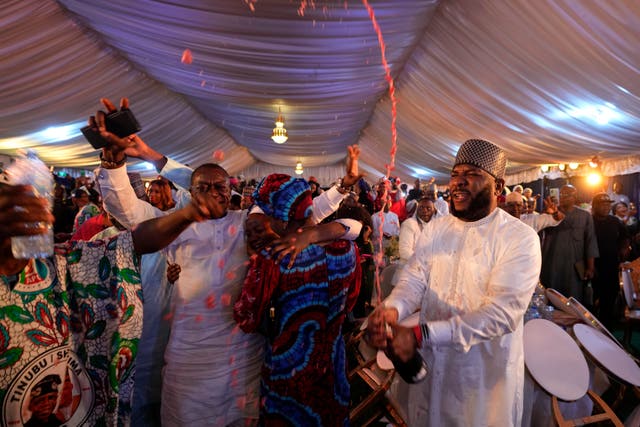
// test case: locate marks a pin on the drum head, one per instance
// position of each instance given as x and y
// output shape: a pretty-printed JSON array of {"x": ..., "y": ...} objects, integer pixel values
[
  {"x": 589, "y": 318},
  {"x": 627, "y": 288},
  {"x": 558, "y": 300},
  {"x": 608, "y": 354},
  {"x": 554, "y": 360},
  {"x": 381, "y": 359}
]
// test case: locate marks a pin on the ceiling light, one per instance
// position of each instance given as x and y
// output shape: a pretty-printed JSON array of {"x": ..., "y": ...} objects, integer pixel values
[
  {"x": 299, "y": 169},
  {"x": 594, "y": 162},
  {"x": 574, "y": 166},
  {"x": 544, "y": 168},
  {"x": 562, "y": 166},
  {"x": 594, "y": 178},
  {"x": 279, "y": 135}
]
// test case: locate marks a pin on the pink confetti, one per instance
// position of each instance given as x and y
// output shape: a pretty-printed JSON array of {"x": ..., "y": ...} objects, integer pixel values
[
  {"x": 210, "y": 301},
  {"x": 203, "y": 83},
  {"x": 187, "y": 58},
  {"x": 198, "y": 318},
  {"x": 225, "y": 299},
  {"x": 221, "y": 264},
  {"x": 218, "y": 155},
  {"x": 234, "y": 378},
  {"x": 241, "y": 402},
  {"x": 232, "y": 360},
  {"x": 233, "y": 230},
  {"x": 168, "y": 316},
  {"x": 235, "y": 330},
  {"x": 231, "y": 275}
]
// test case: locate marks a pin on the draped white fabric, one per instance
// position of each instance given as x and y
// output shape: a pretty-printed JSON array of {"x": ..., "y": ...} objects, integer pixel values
[{"x": 530, "y": 76}]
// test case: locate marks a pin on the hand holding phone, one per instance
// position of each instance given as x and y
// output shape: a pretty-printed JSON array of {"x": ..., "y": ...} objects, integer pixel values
[{"x": 121, "y": 123}]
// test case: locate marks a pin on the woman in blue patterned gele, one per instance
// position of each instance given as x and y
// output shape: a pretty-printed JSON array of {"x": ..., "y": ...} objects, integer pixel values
[{"x": 304, "y": 380}]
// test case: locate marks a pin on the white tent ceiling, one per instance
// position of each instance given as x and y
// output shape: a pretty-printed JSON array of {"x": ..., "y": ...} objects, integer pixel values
[{"x": 539, "y": 78}]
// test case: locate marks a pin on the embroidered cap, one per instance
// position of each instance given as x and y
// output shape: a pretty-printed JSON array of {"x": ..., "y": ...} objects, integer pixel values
[
  {"x": 48, "y": 384},
  {"x": 483, "y": 154},
  {"x": 284, "y": 197}
]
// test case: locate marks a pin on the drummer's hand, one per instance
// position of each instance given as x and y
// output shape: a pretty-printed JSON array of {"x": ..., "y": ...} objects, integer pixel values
[
  {"x": 403, "y": 345},
  {"x": 377, "y": 326}
]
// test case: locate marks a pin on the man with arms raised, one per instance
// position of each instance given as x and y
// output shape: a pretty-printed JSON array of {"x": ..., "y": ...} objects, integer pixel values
[{"x": 472, "y": 280}]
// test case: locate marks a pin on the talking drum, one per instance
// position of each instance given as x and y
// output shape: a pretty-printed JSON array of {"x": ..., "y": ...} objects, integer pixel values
[
  {"x": 629, "y": 291},
  {"x": 563, "y": 372},
  {"x": 607, "y": 354},
  {"x": 591, "y": 320},
  {"x": 558, "y": 300}
]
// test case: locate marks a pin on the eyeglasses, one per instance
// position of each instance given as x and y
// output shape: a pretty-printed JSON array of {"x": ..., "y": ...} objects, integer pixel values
[{"x": 206, "y": 187}]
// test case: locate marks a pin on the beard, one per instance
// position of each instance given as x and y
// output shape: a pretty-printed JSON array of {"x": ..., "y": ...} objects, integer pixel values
[{"x": 479, "y": 207}]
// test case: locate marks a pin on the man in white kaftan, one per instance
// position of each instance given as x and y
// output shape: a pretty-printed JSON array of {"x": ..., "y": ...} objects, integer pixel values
[
  {"x": 550, "y": 218},
  {"x": 412, "y": 227},
  {"x": 472, "y": 276}
]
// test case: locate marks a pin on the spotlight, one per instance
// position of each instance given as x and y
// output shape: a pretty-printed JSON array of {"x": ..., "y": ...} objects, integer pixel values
[
  {"x": 594, "y": 178},
  {"x": 544, "y": 168},
  {"x": 574, "y": 166},
  {"x": 562, "y": 166},
  {"x": 594, "y": 162}
]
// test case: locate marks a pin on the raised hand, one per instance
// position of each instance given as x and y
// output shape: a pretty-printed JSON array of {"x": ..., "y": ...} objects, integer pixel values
[
  {"x": 352, "y": 174},
  {"x": 552, "y": 209},
  {"x": 117, "y": 147}
]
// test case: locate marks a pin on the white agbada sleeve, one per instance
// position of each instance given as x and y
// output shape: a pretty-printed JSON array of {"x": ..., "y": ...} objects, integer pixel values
[
  {"x": 326, "y": 204},
  {"x": 120, "y": 199},
  {"x": 511, "y": 283},
  {"x": 540, "y": 222}
]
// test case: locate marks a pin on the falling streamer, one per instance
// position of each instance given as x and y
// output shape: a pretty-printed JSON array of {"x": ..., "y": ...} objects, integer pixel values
[{"x": 392, "y": 154}]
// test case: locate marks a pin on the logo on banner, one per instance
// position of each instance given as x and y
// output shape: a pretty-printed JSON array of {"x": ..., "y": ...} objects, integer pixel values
[{"x": 54, "y": 389}]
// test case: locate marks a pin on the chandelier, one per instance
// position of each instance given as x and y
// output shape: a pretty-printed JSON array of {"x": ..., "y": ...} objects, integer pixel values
[
  {"x": 299, "y": 170},
  {"x": 279, "y": 135}
]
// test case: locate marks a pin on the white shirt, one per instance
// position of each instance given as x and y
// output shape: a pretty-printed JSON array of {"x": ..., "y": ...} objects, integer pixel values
[
  {"x": 441, "y": 206},
  {"x": 473, "y": 282},
  {"x": 410, "y": 229},
  {"x": 390, "y": 224}
]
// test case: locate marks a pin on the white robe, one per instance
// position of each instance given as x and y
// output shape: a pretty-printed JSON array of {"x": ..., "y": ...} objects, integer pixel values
[{"x": 473, "y": 282}]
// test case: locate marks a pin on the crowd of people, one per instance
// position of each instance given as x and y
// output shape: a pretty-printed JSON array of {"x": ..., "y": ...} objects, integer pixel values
[{"x": 205, "y": 299}]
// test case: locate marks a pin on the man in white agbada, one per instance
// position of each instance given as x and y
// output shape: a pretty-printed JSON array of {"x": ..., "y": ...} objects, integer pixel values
[
  {"x": 551, "y": 217},
  {"x": 412, "y": 227},
  {"x": 472, "y": 280}
]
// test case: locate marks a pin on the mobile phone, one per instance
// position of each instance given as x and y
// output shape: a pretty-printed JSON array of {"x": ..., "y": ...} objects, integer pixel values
[
  {"x": 122, "y": 123},
  {"x": 94, "y": 138}
]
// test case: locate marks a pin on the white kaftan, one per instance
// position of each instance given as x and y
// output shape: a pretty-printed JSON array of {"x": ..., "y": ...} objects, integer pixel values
[{"x": 472, "y": 282}]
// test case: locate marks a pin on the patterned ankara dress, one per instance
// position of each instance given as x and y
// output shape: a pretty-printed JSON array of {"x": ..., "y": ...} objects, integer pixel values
[
  {"x": 304, "y": 380},
  {"x": 69, "y": 326}
]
